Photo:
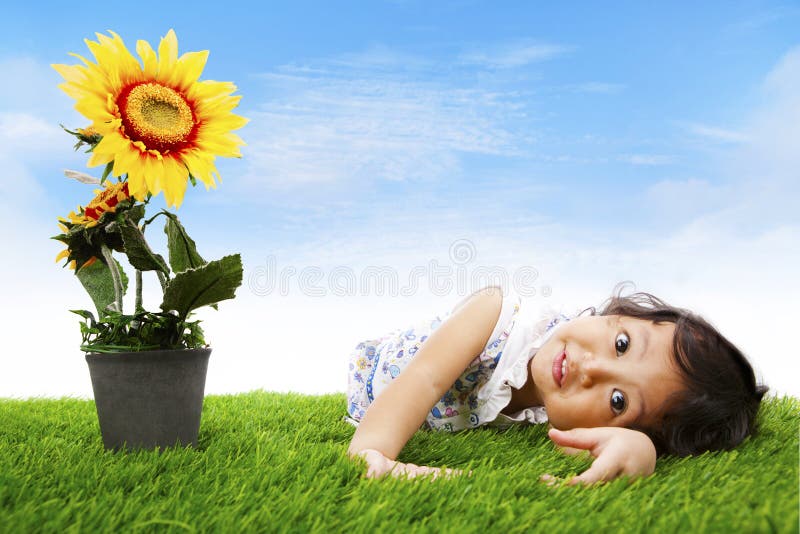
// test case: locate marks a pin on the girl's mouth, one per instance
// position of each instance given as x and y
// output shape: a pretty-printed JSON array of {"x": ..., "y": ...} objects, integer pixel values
[{"x": 560, "y": 368}]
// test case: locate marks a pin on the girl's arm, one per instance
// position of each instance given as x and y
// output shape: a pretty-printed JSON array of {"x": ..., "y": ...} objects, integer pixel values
[{"x": 402, "y": 406}]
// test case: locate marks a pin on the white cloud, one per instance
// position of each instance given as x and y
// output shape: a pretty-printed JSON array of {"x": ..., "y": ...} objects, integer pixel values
[
  {"x": 512, "y": 55},
  {"x": 380, "y": 57},
  {"x": 767, "y": 17},
  {"x": 31, "y": 106},
  {"x": 24, "y": 132},
  {"x": 715, "y": 133},
  {"x": 353, "y": 127},
  {"x": 19, "y": 190},
  {"x": 596, "y": 87},
  {"x": 646, "y": 159},
  {"x": 773, "y": 152},
  {"x": 680, "y": 200},
  {"x": 30, "y": 85}
]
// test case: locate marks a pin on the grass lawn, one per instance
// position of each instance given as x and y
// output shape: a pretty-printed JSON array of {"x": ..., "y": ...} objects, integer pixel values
[{"x": 269, "y": 461}]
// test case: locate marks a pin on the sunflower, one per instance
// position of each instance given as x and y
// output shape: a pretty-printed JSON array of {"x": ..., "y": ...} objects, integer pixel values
[
  {"x": 106, "y": 200},
  {"x": 160, "y": 126},
  {"x": 79, "y": 248}
]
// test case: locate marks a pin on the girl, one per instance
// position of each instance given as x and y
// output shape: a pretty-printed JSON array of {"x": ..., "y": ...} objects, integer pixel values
[{"x": 637, "y": 379}]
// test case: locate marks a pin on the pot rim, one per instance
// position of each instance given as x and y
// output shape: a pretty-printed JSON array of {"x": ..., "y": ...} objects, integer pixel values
[{"x": 155, "y": 354}]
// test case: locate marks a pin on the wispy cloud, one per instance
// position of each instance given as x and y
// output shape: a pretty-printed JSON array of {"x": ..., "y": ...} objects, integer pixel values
[
  {"x": 30, "y": 84},
  {"x": 347, "y": 121},
  {"x": 26, "y": 132},
  {"x": 595, "y": 87},
  {"x": 380, "y": 57},
  {"x": 758, "y": 20},
  {"x": 646, "y": 159},
  {"x": 512, "y": 55},
  {"x": 772, "y": 152},
  {"x": 715, "y": 133},
  {"x": 782, "y": 80},
  {"x": 31, "y": 106}
]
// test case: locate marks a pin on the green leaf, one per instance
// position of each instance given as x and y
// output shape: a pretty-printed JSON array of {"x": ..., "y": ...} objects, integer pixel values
[
  {"x": 135, "y": 214},
  {"x": 106, "y": 171},
  {"x": 98, "y": 282},
  {"x": 208, "y": 284},
  {"x": 138, "y": 251},
  {"x": 182, "y": 249}
]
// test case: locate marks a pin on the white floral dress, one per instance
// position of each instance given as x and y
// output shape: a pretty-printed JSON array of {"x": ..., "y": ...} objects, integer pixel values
[{"x": 483, "y": 389}]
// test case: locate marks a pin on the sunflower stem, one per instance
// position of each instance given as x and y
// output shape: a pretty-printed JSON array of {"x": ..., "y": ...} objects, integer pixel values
[
  {"x": 153, "y": 218},
  {"x": 115, "y": 276},
  {"x": 139, "y": 307},
  {"x": 161, "y": 278}
]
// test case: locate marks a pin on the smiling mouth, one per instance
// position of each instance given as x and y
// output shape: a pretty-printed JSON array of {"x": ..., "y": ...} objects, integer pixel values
[{"x": 560, "y": 368}]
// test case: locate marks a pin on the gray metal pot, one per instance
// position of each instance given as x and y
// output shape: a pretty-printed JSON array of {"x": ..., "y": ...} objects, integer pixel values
[{"x": 149, "y": 399}]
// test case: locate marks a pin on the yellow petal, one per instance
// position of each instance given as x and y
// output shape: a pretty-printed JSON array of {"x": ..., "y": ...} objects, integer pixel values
[
  {"x": 174, "y": 181},
  {"x": 217, "y": 105},
  {"x": 221, "y": 145},
  {"x": 137, "y": 186},
  {"x": 225, "y": 123},
  {"x": 124, "y": 162},
  {"x": 63, "y": 254},
  {"x": 94, "y": 108},
  {"x": 70, "y": 73},
  {"x": 167, "y": 56},
  {"x": 188, "y": 70},
  {"x": 200, "y": 167},
  {"x": 149, "y": 59},
  {"x": 152, "y": 169},
  {"x": 99, "y": 158},
  {"x": 210, "y": 89},
  {"x": 137, "y": 179},
  {"x": 110, "y": 146},
  {"x": 83, "y": 59}
]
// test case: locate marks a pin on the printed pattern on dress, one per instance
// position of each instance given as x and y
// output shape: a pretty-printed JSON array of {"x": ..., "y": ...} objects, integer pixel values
[{"x": 373, "y": 364}]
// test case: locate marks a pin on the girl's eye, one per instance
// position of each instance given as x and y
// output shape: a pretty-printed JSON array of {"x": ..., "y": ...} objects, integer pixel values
[
  {"x": 621, "y": 343},
  {"x": 618, "y": 402}
]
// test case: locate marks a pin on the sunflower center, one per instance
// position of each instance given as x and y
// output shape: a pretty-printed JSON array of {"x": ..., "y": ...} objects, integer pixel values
[{"x": 157, "y": 116}]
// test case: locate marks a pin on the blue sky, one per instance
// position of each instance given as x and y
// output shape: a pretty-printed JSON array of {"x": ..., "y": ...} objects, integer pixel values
[{"x": 656, "y": 143}]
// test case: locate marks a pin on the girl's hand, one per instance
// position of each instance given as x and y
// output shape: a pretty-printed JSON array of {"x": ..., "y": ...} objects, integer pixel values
[
  {"x": 617, "y": 452},
  {"x": 378, "y": 465}
]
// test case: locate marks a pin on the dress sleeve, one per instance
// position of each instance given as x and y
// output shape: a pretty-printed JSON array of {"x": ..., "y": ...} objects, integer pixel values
[
  {"x": 519, "y": 346},
  {"x": 503, "y": 324},
  {"x": 510, "y": 303}
]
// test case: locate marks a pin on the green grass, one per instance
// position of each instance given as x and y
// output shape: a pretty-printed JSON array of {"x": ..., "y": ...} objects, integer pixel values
[{"x": 268, "y": 461}]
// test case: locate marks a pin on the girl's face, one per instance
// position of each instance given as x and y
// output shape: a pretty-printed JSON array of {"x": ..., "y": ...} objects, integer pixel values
[{"x": 617, "y": 371}]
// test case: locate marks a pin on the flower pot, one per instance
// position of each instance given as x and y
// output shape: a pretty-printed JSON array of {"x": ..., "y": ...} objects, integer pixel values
[{"x": 149, "y": 399}]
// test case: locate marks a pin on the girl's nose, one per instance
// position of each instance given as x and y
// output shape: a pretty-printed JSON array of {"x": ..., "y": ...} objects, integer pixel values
[{"x": 592, "y": 370}]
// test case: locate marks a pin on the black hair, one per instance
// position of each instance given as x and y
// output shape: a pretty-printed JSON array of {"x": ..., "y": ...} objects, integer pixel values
[{"x": 717, "y": 407}]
